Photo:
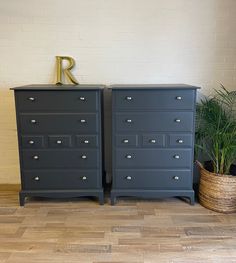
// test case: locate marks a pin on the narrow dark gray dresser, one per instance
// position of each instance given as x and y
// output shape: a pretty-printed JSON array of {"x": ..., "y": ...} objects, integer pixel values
[
  {"x": 153, "y": 141},
  {"x": 60, "y": 140}
]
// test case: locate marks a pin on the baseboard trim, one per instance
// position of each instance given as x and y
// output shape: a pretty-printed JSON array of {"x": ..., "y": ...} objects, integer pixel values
[{"x": 10, "y": 187}]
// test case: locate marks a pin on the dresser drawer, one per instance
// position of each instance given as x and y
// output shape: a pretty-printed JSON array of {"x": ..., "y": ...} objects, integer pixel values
[
  {"x": 151, "y": 158},
  {"x": 32, "y": 142},
  {"x": 181, "y": 140},
  {"x": 58, "y": 179},
  {"x": 60, "y": 159},
  {"x": 76, "y": 101},
  {"x": 153, "y": 140},
  {"x": 58, "y": 123},
  {"x": 154, "y": 121},
  {"x": 153, "y": 179},
  {"x": 154, "y": 99},
  {"x": 87, "y": 141},
  {"x": 127, "y": 140},
  {"x": 59, "y": 141}
]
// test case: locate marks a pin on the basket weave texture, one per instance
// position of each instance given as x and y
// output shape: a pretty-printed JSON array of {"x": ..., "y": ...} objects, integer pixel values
[{"x": 217, "y": 192}]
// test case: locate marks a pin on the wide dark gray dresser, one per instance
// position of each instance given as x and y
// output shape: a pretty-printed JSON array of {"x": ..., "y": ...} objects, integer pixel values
[
  {"x": 60, "y": 140},
  {"x": 153, "y": 141}
]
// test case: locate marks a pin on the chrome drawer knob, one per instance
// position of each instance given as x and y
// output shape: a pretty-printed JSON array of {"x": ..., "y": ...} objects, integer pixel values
[
  {"x": 177, "y": 120},
  {"x": 86, "y": 141},
  {"x": 128, "y": 178},
  {"x": 176, "y": 156},
  {"x": 84, "y": 178},
  {"x": 36, "y": 178},
  {"x": 84, "y": 157},
  {"x": 83, "y": 121},
  {"x": 128, "y": 121},
  {"x": 176, "y": 178},
  {"x": 128, "y": 98},
  {"x": 128, "y": 156},
  {"x": 152, "y": 141},
  {"x": 180, "y": 141},
  {"x": 33, "y": 121},
  {"x": 125, "y": 141},
  {"x": 82, "y": 98},
  {"x": 59, "y": 142},
  {"x": 31, "y": 98},
  {"x": 178, "y": 98},
  {"x": 35, "y": 157},
  {"x": 31, "y": 142}
]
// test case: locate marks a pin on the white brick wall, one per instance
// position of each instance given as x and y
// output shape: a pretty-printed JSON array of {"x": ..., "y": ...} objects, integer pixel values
[{"x": 112, "y": 41}]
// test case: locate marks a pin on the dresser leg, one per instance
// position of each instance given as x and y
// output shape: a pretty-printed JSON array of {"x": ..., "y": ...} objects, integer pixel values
[
  {"x": 113, "y": 200},
  {"x": 101, "y": 199},
  {"x": 22, "y": 199},
  {"x": 192, "y": 200}
]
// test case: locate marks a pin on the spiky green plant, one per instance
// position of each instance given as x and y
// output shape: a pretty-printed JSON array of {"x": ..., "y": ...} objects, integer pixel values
[{"x": 216, "y": 129}]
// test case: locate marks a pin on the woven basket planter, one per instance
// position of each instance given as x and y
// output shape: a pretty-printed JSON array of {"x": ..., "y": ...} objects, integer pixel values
[{"x": 217, "y": 192}]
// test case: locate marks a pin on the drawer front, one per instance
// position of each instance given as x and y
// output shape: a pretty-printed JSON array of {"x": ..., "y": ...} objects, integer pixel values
[
  {"x": 87, "y": 141},
  {"x": 77, "y": 101},
  {"x": 59, "y": 141},
  {"x": 151, "y": 158},
  {"x": 180, "y": 140},
  {"x": 157, "y": 99},
  {"x": 127, "y": 140},
  {"x": 154, "y": 121},
  {"x": 34, "y": 159},
  {"x": 154, "y": 179},
  {"x": 153, "y": 140},
  {"x": 32, "y": 142},
  {"x": 70, "y": 179},
  {"x": 58, "y": 123}
]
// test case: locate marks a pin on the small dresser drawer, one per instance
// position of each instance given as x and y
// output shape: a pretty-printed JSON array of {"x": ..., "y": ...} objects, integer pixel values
[
  {"x": 127, "y": 140},
  {"x": 153, "y": 140},
  {"x": 59, "y": 141},
  {"x": 32, "y": 142},
  {"x": 58, "y": 123},
  {"x": 76, "y": 101},
  {"x": 153, "y": 179},
  {"x": 154, "y": 99},
  {"x": 154, "y": 121},
  {"x": 153, "y": 158},
  {"x": 87, "y": 141},
  {"x": 34, "y": 159},
  {"x": 181, "y": 140},
  {"x": 58, "y": 179}
]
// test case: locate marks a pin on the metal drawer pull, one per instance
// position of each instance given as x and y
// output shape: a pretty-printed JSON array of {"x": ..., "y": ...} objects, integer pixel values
[
  {"x": 128, "y": 98},
  {"x": 128, "y": 156},
  {"x": 35, "y": 157},
  {"x": 176, "y": 156},
  {"x": 179, "y": 98},
  {"x": 59, "y": 142},
  {"x": 82, "y": 98},
  {"x": 83, "y": 121},
  {"x": 33, "y": 121},
  {"x": 86, "y": 141},
  {"x": 84, "y": 178},
  {"x": 31, "y": 142},
  {"x": 180, "y": 141},
  {"x": 31, "y": 98},
  {"x": 125, "y": 141},
  {"x": 152, "y": 141},
  {"x": 84, "y": 157},
  {"x": 36, "y": 178},
  {"x": 176, "y": 178},
  {"x": 128, "y": 178},
  {"x": 128, "y": 121},
  {"x": 177, "y": 120}
]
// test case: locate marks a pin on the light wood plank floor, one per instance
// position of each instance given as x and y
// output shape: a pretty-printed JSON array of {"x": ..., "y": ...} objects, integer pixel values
[{"x": 133, "y": 231}]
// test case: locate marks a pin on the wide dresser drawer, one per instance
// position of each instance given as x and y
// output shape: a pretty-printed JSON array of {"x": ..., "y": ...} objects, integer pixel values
[{"x": 60, "y": 179}]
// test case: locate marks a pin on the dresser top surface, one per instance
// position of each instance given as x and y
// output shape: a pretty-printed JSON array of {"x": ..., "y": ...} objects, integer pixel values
[
  {"x": 152, "y": 86},
  {"x": 54, "y": 87}
]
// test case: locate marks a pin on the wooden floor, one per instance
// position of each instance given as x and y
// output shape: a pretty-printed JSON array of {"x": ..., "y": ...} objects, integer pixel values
[{"x": 133, "y": 231}]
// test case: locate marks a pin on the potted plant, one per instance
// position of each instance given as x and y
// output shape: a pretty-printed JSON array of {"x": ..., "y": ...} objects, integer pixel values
[{"x": 216, "y": 138}]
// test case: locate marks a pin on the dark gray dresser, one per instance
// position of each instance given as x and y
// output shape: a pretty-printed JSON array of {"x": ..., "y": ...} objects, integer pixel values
[
  {"x": 152, "y": 140},
  {"x": 60, "y": 140}
]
